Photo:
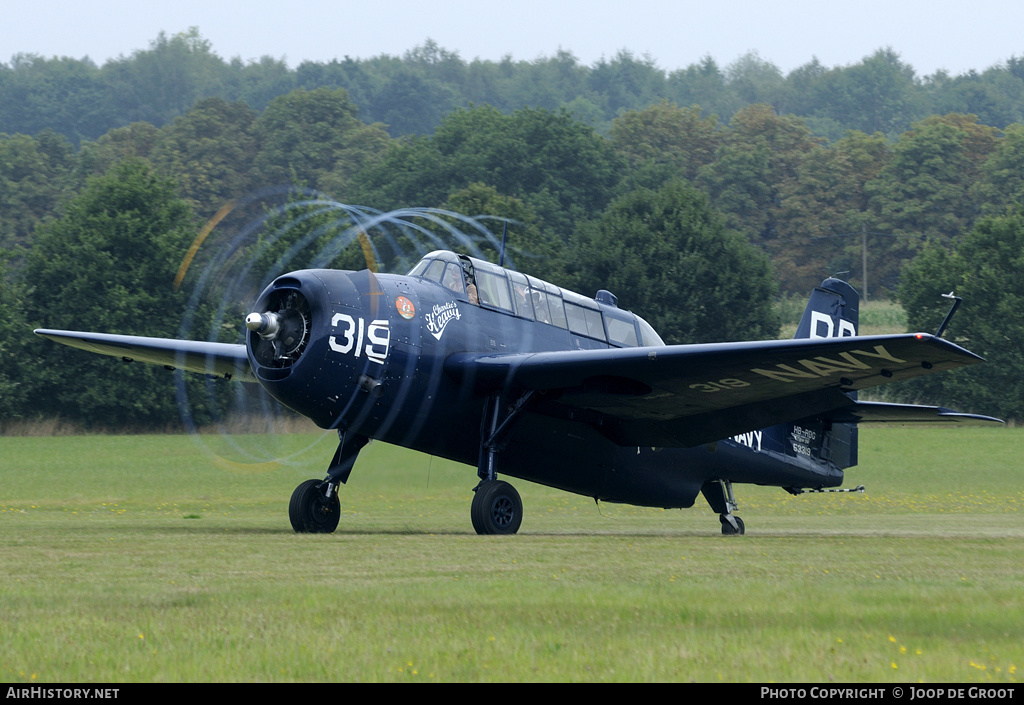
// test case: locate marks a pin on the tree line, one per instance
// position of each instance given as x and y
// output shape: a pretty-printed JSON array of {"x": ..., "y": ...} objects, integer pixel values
[
  {"x": 815, "y": 207},
  {"x": 412, "y": 93},
  {"x": 696, "y": 222}
]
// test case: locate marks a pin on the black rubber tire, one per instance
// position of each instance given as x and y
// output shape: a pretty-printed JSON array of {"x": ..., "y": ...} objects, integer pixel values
[
  {"x": 310, "y": 513},
  {"x": 727, "y": 528},
  {"x": 496, "y": 509}
]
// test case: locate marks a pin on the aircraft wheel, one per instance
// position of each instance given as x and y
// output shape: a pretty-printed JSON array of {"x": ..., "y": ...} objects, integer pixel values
[
  {"x": 496, "y": 509},
  {"x": 729, "y": 530},
  {"x": 310, "y": 512}
]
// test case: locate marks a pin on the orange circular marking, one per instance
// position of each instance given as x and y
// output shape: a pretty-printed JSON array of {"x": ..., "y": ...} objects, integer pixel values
[{"x": 406, "y": 308}]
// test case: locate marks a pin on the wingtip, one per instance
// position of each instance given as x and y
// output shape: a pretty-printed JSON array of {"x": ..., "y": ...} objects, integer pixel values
[{"x": 970, "y": 419}]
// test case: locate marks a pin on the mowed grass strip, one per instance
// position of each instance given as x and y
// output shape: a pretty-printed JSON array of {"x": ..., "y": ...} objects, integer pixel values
[{"x": 150, "y": 559}]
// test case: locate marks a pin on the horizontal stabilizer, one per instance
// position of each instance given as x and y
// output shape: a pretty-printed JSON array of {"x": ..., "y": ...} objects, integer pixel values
[
  {"x": 879, "y": 412},
  {"x": 216, "y": 359}
]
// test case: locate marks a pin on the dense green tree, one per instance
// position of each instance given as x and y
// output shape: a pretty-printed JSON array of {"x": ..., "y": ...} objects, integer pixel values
[
  {"x": 558, "y": 166},
  {"x": 924, "y": 191},
  {"x": 158, "y": 84},
  {"x": 541, "y": 156},
  {"x": 408, "y": 95},
  {"x": 412, "y": 93},
  {"x": 625, "y": 82},
  {"x": 664, "y": 142},
  {"x": 108, "y": 264},
  {"x": 436, "y": 61},
  {"x": 996, "y": 96},
  {"x": 360, "y": 79},
  {"x": 35, "y": 175},
  {"x": 410, "y": 104},
  {"x": 754, "y": 80},
  {"x": 315, "y": 138},
  {"x": 802, "y": 82},
  {"x": 757, "y": 158},
  {"x": 68, "y": 96},
  {"x": 256, "y": 83},
  {"x": 986, "y": 268},
  {"x": 549, "y": 82},
  {"x": 703, "y": 84},
  {"x": 209, "y": 152},
  {"x": 1001, "y": 181},
  {"x": 134, "y": 141},
  {"x": 15, "y": 335},
  {"x": 528, "y": 248},
  {"x": 411, "y": 173},
  {"x": 824, "y": 212},
  {"x": 879, "y": 94},
  {"x": 668, "y": 256}
]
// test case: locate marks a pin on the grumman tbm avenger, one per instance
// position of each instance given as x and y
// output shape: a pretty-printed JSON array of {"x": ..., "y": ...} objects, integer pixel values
[{"x": 469, "y": 361}]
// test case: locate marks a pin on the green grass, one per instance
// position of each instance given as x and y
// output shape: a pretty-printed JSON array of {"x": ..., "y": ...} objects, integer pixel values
[{"x": 145, "y": 558}]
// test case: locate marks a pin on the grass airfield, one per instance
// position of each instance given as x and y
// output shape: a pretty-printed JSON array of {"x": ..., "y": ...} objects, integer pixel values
[{"x": 169, "y": 558}]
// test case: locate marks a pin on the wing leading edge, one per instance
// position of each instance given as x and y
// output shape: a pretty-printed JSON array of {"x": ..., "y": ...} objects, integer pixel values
[
  {"x": 218, "y": 359},
  {"x": 685, "y": 395}
]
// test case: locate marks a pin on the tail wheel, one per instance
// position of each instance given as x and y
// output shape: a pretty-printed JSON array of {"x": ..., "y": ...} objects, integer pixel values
[
  {"x": 311, "y": 512},
  {"x": 496, "y": 509}
]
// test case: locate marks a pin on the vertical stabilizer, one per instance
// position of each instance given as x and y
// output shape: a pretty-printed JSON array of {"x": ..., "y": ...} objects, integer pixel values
[{"x": 832, "y": 311}]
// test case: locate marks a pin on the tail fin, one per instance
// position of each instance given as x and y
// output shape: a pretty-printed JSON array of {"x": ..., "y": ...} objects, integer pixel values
[{"x": 832, "y": 311}]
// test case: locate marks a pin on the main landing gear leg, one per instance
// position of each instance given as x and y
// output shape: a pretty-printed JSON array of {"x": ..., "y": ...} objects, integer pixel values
[
  {"x": 719, "y": 495},
  {"x": 497, "y": 507},
  {"x": 315, "y": 507}
]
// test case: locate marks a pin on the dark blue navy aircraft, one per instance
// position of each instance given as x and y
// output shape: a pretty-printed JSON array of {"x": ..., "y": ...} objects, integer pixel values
[{"x": 496, "y": 369}]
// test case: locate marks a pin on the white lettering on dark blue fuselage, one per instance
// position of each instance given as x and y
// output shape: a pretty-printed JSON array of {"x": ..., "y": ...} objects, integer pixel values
[
  {"x": 439, "y": 317},
  {"x": 355, "y": 332},
  {"x": 751, "y": 439}
]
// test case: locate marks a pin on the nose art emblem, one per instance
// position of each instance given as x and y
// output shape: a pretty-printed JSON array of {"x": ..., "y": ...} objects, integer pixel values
[{"x": 405, "y": 307}]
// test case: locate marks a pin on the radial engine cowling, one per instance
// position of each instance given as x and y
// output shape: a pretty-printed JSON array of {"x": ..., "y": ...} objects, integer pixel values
[
  {"x": 296, "y": 338},
  {"x": 280, "y": 328}
]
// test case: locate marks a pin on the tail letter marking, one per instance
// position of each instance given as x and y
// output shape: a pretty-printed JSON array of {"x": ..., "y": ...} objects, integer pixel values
[{"x": 819, "y": 319}]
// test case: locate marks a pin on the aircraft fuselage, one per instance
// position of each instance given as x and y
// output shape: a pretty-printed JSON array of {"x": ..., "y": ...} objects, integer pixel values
[{"x": 373, "y": 364}]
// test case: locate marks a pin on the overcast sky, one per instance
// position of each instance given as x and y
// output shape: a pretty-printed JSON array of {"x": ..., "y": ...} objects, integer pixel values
[{"x": 928, "y": 34}]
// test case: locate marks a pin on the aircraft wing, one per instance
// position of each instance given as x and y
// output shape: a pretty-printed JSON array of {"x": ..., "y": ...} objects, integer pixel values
[
  {"x": 685, "y": 395},
  {"x": 218, "y": 359}
]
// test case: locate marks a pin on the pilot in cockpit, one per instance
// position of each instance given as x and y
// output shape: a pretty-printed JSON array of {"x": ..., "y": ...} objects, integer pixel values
[
  {"x": 467, "y": 269},
  {"x": 453, "y": 279}
]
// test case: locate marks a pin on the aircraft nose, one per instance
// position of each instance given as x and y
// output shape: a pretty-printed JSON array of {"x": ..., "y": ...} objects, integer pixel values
[{"x": 317, "y": 345}]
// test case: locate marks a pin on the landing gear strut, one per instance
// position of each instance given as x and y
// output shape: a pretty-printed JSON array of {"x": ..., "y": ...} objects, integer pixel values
[
  {"x": 719, "y": 495},
  {"x": 497, "y": 507},
  {"x": 315, "y": 507}
]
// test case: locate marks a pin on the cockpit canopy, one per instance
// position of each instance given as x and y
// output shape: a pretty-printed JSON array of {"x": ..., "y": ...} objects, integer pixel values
[{"x": 527, "y": 297}]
